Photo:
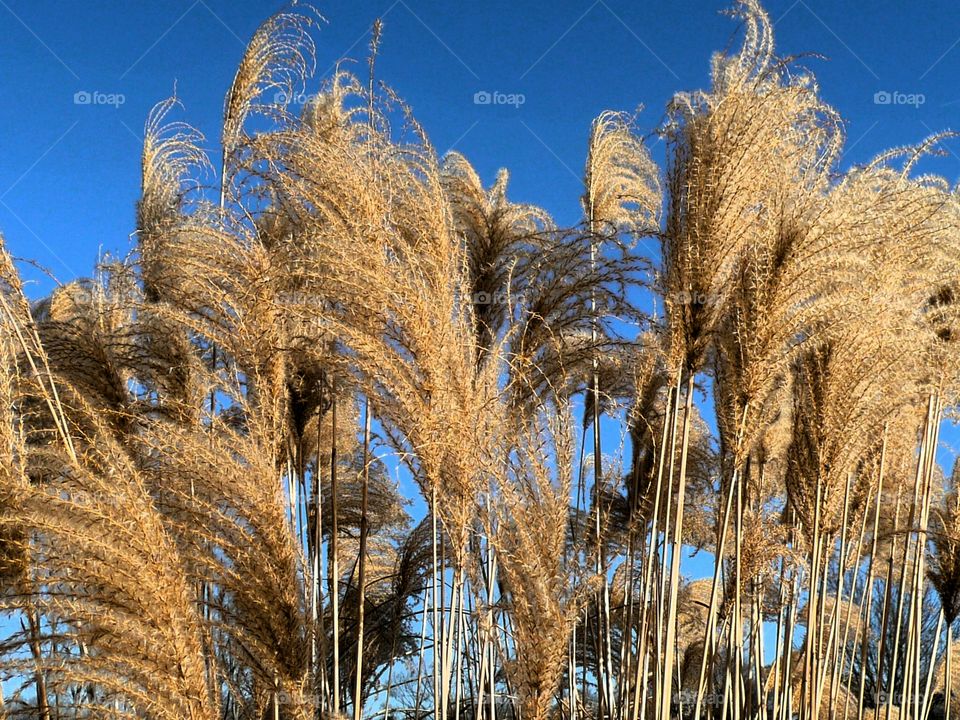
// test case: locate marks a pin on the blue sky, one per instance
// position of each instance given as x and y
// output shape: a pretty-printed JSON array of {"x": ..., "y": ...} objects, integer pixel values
[{"x": 69, "y": 172}]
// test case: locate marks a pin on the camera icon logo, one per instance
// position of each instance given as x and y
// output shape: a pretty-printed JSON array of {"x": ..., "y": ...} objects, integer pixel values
[
  {"x": 882, "y": 97},
  {"x": 82, "y": 97},
  {"x": 482, "y": 97}
]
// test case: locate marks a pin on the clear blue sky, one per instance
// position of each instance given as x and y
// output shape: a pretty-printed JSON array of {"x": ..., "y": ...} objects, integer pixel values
[{"x": 69, "y": 173}]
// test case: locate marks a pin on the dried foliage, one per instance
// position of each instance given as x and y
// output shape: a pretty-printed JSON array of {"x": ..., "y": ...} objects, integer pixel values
[{"x": 311, "y": 450}]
